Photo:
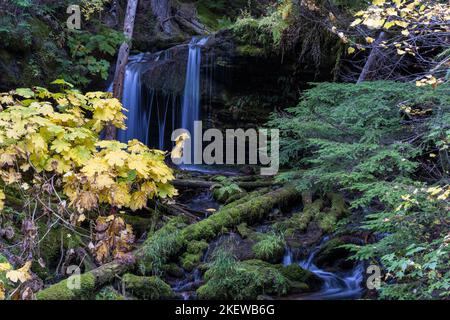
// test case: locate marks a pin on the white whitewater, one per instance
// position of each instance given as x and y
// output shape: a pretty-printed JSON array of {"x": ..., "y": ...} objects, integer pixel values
[{"x": 335, "y": 286}]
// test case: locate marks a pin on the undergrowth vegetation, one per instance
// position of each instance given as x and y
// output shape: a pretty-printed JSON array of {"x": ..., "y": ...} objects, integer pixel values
[{"x": 386, "y": 144}]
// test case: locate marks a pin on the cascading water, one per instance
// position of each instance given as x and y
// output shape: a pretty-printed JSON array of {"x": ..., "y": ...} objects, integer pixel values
[
  {"x": 342, "y": 286},
  {"x": 137, "y": 115},
  {"x": 190, "y": 108}
]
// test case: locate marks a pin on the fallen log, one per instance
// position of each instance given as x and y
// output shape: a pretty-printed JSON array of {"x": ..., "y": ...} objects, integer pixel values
[{"x": 84, "y": 287}]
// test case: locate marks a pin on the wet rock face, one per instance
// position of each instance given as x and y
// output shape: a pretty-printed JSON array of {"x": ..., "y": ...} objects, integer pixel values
[
  {"x": 168, "y": 73},
  {"x": 332, "y": 257}
]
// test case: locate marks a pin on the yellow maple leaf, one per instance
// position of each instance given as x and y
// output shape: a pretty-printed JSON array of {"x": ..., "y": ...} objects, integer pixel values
[
  {"x": 138, "y": 200},
  {"x": 103, "y": 181},
  {"x": 22, "y": 274},
  {"x": 94, "y": 166},
  {"x": 136, "y": 146},
  {"x": 5, "y": 267},
  {"x": 60, "y": 146},
  {"x": 402, "y": 24},
  {"x": 138, "y": 163},
  {"x": 116, "y": 158},
  {"x": 374, "y": 22}
]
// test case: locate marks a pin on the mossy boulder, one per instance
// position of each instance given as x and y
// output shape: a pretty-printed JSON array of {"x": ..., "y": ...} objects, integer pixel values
[
  {"x": 271, "y": 248},
  {"x": 332, "y": 256},
  {"x": 151, "y": 288},
  {"x": 173, "y": 270},
  {"x": 300, "y": 278},
  {"x": 243, "y": 281}
]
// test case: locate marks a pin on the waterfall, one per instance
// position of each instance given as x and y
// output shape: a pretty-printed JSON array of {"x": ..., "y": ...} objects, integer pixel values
[
  {"x": 190, "y": 108},
  {"x": 137, "y": 115},
  {"x": 154, "y": 112}
]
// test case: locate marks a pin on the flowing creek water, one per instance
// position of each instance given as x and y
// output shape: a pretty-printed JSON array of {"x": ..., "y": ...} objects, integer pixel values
[{"x": 336, "y": 286}]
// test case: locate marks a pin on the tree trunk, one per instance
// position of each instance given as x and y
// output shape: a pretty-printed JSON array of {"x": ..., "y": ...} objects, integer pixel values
[
  {"x": 162, "y": 9},
  {"x": 372, "y": 57},
  {"x": 122, "y": 60}
]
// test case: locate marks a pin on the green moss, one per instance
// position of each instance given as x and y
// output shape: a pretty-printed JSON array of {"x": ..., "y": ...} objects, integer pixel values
[
  {"x": 50, "y": 247},
  {"x": 189, "y": 261},
  {"x": 327, "y": 222},
  {"x": 271, "y": 248},
  {"x": 161, "y": 246},
  {"x": 109, "y": 293},
  {"x": 331, "y": 251},
  {"x": 63, "y": 291},
  {"x": 228, "y": 279},
  {"x": 338, "y": 206},
  {"x": 207, "y": 17},
  {"x": 300, "y": 220},
  {"x": 300, "y": 278},
  {"x": 243, "y": 230},
  {"x": 152, "y": 288},
  {"x": 173, "y": 270},
  {"x": 251, "y": 51},
  {"x": 197, "y": 247}
]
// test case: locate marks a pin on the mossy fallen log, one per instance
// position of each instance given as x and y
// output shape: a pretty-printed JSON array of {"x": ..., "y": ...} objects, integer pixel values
[{"x": 86, "y": 285}]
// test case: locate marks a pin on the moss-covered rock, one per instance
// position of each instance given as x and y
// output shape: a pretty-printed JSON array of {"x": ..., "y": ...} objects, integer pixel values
[
  {"x": 173, "y": 270},
  {"x": 243, "y": 280},
  {"x": 151, "y": 288},
  {"x": 300, "y": 278},
  {"x": 271, "y": 248},
  {"x": 332, "y": 255},
  {"x": 190, "y": 260},
  {"x": 300, "y": 220}
]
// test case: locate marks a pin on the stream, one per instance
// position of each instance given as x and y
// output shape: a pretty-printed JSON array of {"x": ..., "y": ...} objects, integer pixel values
[{"x": 336, "y": 286}]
